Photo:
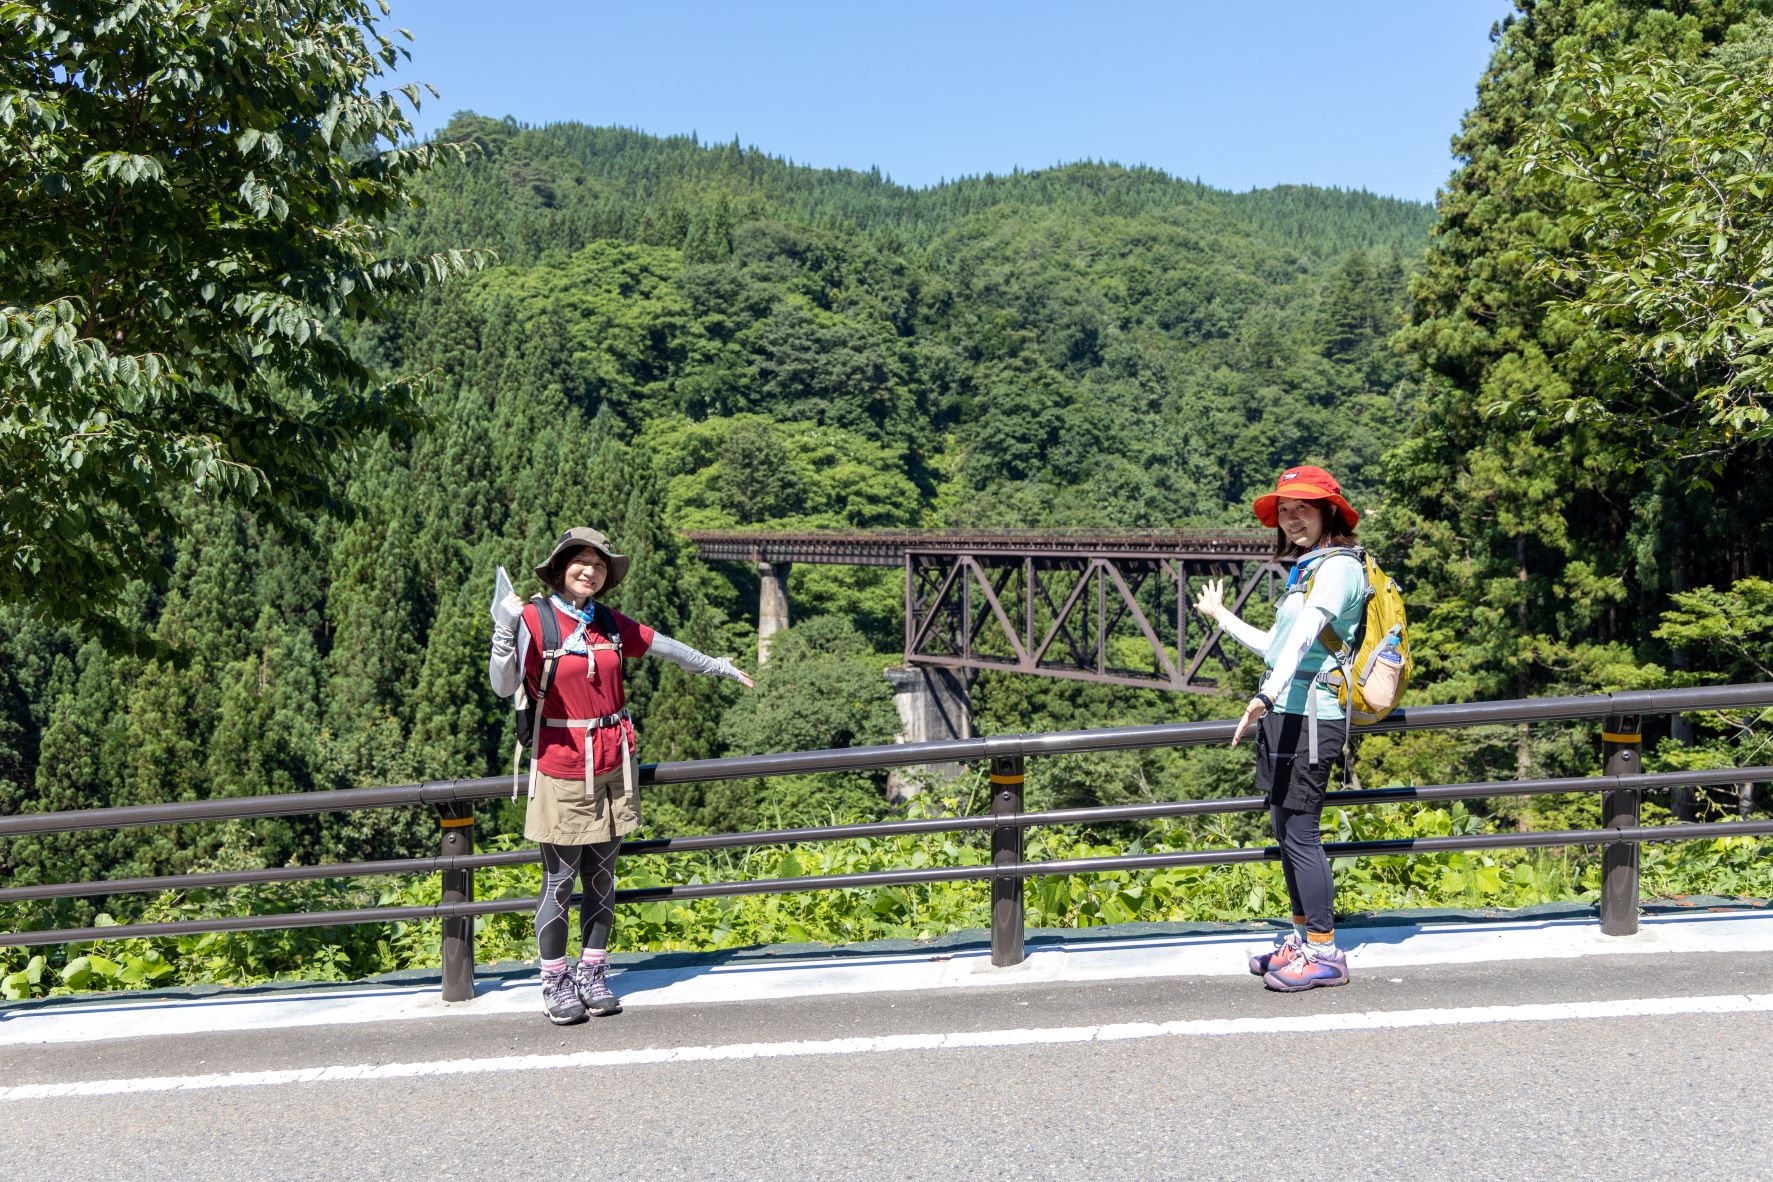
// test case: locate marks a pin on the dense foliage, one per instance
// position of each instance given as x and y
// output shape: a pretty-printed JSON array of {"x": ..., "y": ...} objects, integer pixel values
[
  {"x": 967, "y": 357},
  {"x": 1543, "y": 548},
  {"x": 192, "y": 197},
  {"x": 1675, "y": 268},
  {"x": 683, "y": 335}
]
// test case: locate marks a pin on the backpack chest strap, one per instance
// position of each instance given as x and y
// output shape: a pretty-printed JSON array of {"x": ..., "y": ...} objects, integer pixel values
[{"x": 554, "y": 654}]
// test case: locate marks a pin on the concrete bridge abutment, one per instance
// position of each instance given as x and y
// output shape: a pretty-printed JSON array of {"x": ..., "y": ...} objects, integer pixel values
[{"x": 933, "y": 704}]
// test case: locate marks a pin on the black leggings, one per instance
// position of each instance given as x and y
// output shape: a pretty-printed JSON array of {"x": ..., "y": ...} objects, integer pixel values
[
  {"x": 561, "y": 864},
  {"x": 1307, "y": 867}
]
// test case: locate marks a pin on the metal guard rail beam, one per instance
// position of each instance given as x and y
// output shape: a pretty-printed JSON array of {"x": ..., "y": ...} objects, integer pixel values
[
  {"x": 883, "y": 878},
  {"x": 717, "y": 841},
  {"x": 1620, "y": 787},
  {"x": 1129, "y": 738}
]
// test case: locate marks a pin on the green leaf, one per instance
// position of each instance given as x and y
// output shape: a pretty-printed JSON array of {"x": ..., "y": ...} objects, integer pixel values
[{"x": 77, "y": 972}]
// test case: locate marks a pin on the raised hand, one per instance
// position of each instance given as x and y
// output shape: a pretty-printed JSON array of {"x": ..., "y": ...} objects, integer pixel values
[
  {"x": 1211, "y": 601},
  {"x": 507, "y": 609}
]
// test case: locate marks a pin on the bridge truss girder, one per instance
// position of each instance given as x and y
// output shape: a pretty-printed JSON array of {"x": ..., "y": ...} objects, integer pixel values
[{"x": 1116, "y": 618}]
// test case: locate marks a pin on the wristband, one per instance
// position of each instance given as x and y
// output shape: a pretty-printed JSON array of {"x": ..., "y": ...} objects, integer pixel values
[{"x": 1267, "y": 702}]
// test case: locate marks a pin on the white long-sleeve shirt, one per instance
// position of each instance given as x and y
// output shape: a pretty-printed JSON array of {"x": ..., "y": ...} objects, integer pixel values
[
  {"x": 1337, "y": 597},
  {"x": 505, "y": 664}
]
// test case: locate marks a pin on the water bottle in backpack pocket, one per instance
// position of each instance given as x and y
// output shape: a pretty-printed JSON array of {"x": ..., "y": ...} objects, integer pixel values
[{"x": 1381, "y": 681}]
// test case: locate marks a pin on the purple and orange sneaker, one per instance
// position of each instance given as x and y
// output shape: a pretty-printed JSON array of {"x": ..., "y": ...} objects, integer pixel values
[
  {"x": 1308, "y": 970},
  {"x": 1282, "y": 954}
]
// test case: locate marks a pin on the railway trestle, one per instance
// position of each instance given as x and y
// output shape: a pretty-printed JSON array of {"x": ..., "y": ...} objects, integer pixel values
[
  {"x": 1095, "y": 605},
  {"x": 1119, "y": 618}
]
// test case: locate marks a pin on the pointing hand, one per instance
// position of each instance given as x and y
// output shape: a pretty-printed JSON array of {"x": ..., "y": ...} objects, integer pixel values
[{"x": 1254, "y": 711}]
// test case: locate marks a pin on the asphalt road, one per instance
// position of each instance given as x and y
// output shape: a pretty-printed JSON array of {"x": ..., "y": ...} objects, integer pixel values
[{"x": 1641, "y": 1097}]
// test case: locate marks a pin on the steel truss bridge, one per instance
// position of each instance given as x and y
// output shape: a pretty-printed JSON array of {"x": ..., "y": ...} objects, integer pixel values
[{"x": 1099, "y": 605}]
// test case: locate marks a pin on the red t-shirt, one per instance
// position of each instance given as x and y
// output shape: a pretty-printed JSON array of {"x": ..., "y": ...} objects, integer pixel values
[{"x": 575, "y": 693}]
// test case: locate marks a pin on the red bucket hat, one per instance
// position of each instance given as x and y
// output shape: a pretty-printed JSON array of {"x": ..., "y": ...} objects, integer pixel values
[{"x": 1304, "y": 483}]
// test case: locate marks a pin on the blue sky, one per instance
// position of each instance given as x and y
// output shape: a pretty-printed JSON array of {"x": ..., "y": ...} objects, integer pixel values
[{"x": 1241, "y": 94}]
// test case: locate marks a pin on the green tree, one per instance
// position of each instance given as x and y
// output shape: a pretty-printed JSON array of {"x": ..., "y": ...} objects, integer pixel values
[
  {"x": 1673, "y": 168},
  {"x": 1351, "y": 310},
  {"x": 1731, "y": 630},
  {"x": 756, "y": 478},
  {"x": 823, "y": 687},
  {"x": 1526, "y": 539},
  {"x": 193, "y": 193}
]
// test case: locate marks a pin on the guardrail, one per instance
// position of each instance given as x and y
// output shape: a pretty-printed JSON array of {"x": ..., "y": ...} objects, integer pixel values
[{"x": 1621, "y": 786}]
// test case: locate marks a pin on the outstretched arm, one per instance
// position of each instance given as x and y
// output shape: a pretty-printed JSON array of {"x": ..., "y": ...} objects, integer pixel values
[
  {"x": 685, "y": 657},
  {"x": 1211, "y": 603},
  {"x": 507, "y": 614}
]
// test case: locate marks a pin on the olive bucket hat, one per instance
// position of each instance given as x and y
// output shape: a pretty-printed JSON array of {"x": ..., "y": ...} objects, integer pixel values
[{"x": 578, "y": 538}]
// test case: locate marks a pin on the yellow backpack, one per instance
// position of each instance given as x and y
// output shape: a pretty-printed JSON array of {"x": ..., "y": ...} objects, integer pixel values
[{"x": 1374, "y": 665}]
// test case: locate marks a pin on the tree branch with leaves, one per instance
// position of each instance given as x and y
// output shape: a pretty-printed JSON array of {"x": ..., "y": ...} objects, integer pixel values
[
  {"x": 192, "y": 197},
  {"x": 1672, "y": 165}
]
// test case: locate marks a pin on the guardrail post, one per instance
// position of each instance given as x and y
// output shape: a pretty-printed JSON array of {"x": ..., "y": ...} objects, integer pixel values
[
  {"x": 1622, "y": 747},
  {"x": 1006, "y": 850},
  {"x": 457, "y": 820}
]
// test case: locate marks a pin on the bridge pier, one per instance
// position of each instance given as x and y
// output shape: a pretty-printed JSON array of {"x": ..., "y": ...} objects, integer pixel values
[
  {"x": 772, "y": 604},
  {"x": 933, "y": 704}
]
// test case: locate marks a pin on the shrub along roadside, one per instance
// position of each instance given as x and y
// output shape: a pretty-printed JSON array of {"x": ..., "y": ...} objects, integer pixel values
[{"x": 1499, "y": 879}]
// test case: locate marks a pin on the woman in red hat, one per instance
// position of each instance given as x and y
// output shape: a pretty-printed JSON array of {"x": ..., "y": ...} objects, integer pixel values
[
  {"x": 583, "y": 787},
  {"x": 1300, "y": 725}
]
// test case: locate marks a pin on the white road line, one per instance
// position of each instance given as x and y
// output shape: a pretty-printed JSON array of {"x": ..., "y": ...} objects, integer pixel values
[{"x": 1195, "y": 1027}]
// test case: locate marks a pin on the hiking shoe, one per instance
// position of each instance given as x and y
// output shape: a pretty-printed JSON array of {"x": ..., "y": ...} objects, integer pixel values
[
  {"x": 1276, "y": 957},
  {"x": 594, "y": 990},
  {"x": 560, "y": 999},
  {"x": 1308, "y": 970}
]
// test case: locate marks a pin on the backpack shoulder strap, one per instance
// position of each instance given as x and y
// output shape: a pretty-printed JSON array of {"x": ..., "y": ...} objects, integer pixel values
[
  {"x": 550, "y": 637},
  {"x": 1354, "y": 552},
  {"x": 603, "y": 622},
  {"x": 550, "y": 643},
  {"x": 1343, "y": 652},
  {"x": 1319, "y": 556}
]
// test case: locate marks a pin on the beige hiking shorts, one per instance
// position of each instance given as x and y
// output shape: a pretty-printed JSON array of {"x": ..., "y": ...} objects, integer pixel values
[{"x": 562, "y": 812}]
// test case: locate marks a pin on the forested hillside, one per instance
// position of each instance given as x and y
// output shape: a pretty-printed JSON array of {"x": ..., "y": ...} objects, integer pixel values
[{"x": 683, "y": 335}]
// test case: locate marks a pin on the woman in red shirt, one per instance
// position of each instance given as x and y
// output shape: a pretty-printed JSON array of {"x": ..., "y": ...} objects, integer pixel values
[{"x": 584, "y": 793}]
